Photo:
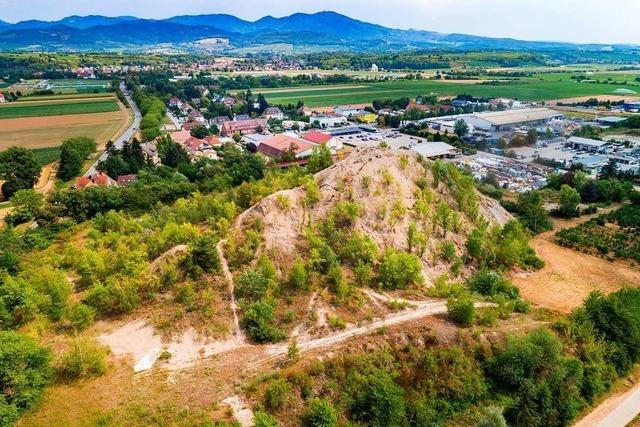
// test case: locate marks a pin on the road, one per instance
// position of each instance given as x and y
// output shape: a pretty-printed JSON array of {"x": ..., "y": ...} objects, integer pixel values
[
  {"x": 617, "y": 411},
  {"x": 126, "y": 136}
]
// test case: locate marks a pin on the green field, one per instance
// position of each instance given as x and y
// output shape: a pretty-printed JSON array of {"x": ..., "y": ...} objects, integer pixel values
[
  {"x": 52, "y": 108},
  {"x": 540, "y": 87},
  {"x": 47, "y": 155}
]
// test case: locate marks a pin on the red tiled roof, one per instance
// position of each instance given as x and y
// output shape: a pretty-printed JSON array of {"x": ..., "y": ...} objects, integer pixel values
[
  {"x": 194, "y": 143},
  {"x": 126, "y": 179},
  {"x": 181, "y": 136},
  {"x": 212, "y": 140},
  {"x": 82, "y": 182},
  {"x": 317, "y": 137},
  {"x": 102, "y": 179},
  {"x": 277, "y": 145}
]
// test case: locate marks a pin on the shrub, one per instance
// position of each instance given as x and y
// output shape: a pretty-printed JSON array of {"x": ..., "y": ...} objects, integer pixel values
[
  {"x": 81, "y": 316},
  {"x": 263, "y": 419},
  {"x": 447, "y": 251},
  {"x": 379, "y": 401},
  {"x": 321, "y": 413},
  {"x": 298, "y": 277},
  {"x": 24, "y": 373},
  {"x": 462, "y": 311},
  {"x": 521, "y": 306},
  {"x": 277, "y": 393},
  {"x": 86, "y": 359},
  {"x": 398, "y": 270},
  {"x": 259, "y": 319},
  {"x": 345, "y": 214},
  {"x": 359, "y": 249},
  {"x": 251, "y": 285},
  {"x": 487, "y": 317},
  {"x": 490, "y": 283}
]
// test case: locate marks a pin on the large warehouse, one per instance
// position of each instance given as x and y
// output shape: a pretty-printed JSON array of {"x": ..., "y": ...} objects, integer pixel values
[{"x": 509, "y": 119}]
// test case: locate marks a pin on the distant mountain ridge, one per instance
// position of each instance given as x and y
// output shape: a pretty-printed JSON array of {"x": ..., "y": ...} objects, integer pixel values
[{"x": 319, "y": 31}]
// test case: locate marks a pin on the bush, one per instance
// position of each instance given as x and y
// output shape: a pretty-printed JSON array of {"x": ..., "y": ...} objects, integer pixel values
[
  {"x": 462, "y": 311},
  {"x": 263, "y": 419},
  {"x": 86, "y": 359},
  {"x": 277, "y": 393},
  {"x": 321, "y": 413},
  {"x": 399, "y": 270},
  {"x": 252, "y": 285},
  {"x": 298, "y": 277},
  {"x": 490, "y": 283},
  {"x": 379, "y": 401},
  {"x": 487, "y": 317},
  {"x": 259, "y": 319},
  {"x": 81, "y": 316},
  {"x": 24, "y": 374}
]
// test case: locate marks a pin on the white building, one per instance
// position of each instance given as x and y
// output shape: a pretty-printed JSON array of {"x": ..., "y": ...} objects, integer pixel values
[
  {"x": 328, "y": 121},
  {"x": 509, "y": 119},
  {"x": 374, "y": 68},
  {"x": 586, "y": 144}
]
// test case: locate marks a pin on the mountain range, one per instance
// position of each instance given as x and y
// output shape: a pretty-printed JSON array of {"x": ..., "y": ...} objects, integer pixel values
[{"x": 328, "y": 31}]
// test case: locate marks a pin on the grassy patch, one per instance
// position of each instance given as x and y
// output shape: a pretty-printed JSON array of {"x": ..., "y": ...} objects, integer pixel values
[{"x": 44, "y": 156}]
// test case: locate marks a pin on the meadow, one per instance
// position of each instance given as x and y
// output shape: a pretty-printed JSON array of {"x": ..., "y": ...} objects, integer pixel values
[
  {"x": 539, "y": 87},
  {"x": 61, "y": 107}
]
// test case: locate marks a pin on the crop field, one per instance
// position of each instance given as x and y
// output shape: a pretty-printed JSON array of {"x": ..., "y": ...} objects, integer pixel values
[
  {"x": 62, "y": 86},
  {"x": 47, "y": 121},
  {"x": 542, "y": 87},
  {"x": 52, "y": 107}
]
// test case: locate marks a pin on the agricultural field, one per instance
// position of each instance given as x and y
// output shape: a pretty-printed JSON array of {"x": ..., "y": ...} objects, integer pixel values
[
  {"x": 541, "y": 87},
  {"x": 62, "y": 86},
  {"x": 53, "y": 107},
  {"x": 615, "y": 235},
  {"x": 47, "y": 121}
]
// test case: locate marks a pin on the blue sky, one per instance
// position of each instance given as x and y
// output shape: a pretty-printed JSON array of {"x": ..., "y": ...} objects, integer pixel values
[{"x": 599, "y": 21}]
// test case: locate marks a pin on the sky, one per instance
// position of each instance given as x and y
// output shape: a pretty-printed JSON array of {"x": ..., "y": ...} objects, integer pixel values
[{"x": 581, "y": 21}]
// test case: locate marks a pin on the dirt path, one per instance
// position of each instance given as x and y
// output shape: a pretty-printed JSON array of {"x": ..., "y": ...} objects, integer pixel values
[
  {"x": 237, "y": 330},
  {"x": 618, "y": 410},
  {"x": 569, "y": 276},
  {"x": 47, "y": 182}
]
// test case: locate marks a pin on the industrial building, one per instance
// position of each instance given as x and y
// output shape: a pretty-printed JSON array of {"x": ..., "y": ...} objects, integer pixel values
[
  {"x": 507, "y": 120},
  {"x": 586, "y": 144}
]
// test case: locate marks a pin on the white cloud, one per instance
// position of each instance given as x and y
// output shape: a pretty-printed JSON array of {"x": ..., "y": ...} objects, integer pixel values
[{"x": 567, "y": 20}]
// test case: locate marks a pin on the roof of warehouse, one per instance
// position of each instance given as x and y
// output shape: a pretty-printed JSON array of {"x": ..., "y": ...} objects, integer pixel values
[{"x": 517, "y": 116}]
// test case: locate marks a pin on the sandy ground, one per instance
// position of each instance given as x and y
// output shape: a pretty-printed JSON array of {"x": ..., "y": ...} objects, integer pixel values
[{"x": 570, "y": 276}]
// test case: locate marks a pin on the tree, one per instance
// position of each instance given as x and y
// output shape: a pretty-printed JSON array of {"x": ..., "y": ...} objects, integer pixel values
[
  {"x": 379, "y": 401},
  {"x": 174, "y": 155},
  {"x": 532, "y": 137},
  {"x": 73, "y": 153},
  {"x": 462, "y": 311},
  {"x": 114, "y": 166},
  {"x": 460, "y": 128},
  {"x": 27, "y": 202},
  {"x": 320, "y": 159},
  {"x": 199, "y": 132},
  {"x": 533, "y": 215},
  {"x": 20, "y": 170},
  {"x": 24, "y": 373},
  {"x": 569, "y": 200},
  {"x": 398, "y": 270}
]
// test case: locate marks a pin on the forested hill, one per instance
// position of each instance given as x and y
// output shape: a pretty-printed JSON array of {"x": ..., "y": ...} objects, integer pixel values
[{"x": 323, "y": 31}]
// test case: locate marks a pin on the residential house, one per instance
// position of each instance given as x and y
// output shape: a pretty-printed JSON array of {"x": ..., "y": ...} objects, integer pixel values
[
  {"x": 124, "y": 180},
  {"x": 273, "y": 113},
  {"x": 238, "y": 117},
  {"x": 218, "y": 121},
  {"x": 180, "y": 137},
  {"x": 365, "y": 117},
  {"x": 175, "y": 102},
  {"x": 197, "y": 116},
  {"x": 243, "y": 127},
  {"x": 202, "y": 90},
  {"x": 347, "y": 110},
  {"x": 150, "y": 149},
  {"x": 322, "y": 138},
  {"x": 413, "y": 105},
  {"x": 190, "y": 125},
  {"x": 99, "y": 179},
  {"x": 279, "y": 145},
  {"x": 2, "y": 99}
]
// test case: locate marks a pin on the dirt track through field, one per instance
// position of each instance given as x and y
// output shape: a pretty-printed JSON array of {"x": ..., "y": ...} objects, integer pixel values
[{"x": 569, "y": 276}]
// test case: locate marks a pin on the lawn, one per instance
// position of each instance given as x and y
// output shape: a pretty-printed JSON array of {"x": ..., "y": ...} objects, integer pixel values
[
  {"x": 64, "y": 107},
  {"x": 44, "y": 156},
  {"x": 540, "y": 87}
]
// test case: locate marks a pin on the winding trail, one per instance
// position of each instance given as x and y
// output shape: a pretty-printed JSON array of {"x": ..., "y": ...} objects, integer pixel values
[{"x": 237, "y": 330}]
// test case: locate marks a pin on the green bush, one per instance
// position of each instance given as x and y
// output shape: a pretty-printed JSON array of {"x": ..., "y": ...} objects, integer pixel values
[
  {"x": 259, "y": 320},
  {"x": 81, "y": 316},
  {"x": 379, "y": 401},
  {"x": 24, "y": 374},
  {"x": 86, "y": 359},
  {"x": 321, "y": 413},
  {"x": 263, "y": 419},
  {"x": 277, "y": 394},
  {"x": 252, "y": 285},
  {"x": 491, "y": 283},
  {"x": 399, "y": 270},
  {"x": 462, "y": 311},
  {"x": 298, "y": 277}
]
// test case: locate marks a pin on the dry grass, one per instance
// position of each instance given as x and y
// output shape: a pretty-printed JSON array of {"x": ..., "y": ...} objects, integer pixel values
[{"x": 41, "y": 132}]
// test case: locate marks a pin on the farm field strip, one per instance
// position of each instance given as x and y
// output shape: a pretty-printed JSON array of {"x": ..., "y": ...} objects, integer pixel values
[
  {"x": 12, "y": 110},
  {"x": 65, "y": 97}
]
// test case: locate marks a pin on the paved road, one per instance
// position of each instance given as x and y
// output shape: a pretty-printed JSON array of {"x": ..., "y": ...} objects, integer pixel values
[
  {"x": 126, "y": 136},
  {"x": 617, "y": 411}
]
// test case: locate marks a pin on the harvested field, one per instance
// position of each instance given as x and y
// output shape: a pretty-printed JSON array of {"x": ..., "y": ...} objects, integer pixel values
[
  {"x": 40, "y": 132},
  {"x": 570, "y": 276}
]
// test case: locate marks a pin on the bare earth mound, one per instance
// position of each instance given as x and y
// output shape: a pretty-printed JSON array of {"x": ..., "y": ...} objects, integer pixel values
[{"x": 386, "y": 186}]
